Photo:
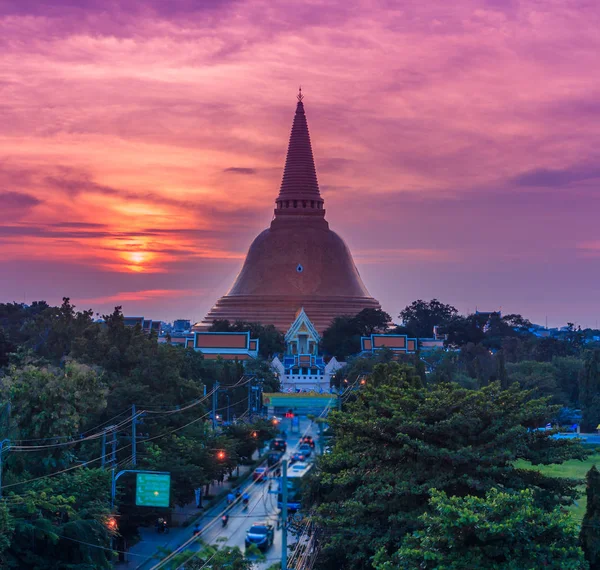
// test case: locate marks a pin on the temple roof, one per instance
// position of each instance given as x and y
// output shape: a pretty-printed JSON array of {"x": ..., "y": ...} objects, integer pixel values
[{"x": 299, "y": 176}]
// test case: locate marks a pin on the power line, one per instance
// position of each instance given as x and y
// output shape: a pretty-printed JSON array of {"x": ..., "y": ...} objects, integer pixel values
[{"x": 119, "y": 449}]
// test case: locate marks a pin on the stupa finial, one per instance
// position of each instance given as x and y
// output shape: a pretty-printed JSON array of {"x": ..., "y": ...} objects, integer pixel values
[{"x": 300, "y": 96}]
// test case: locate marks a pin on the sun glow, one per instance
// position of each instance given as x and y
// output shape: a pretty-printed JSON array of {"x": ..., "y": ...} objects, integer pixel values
[{"x": 139, "y": 261}]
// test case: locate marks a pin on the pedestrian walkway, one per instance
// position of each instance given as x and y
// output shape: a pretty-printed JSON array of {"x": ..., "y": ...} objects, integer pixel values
[{"x": 140, "y": 555}]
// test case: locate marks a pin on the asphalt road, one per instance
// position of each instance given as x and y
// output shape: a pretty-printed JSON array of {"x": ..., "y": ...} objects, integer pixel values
[{"x": 262, "y": 507}]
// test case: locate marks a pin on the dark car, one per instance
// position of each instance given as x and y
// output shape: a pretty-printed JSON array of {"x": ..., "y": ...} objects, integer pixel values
[
  {"x": 308, "y": 439},
  {"x": 297, "y": 457},
  {"x": 278, "y": 444},
  {"x": 274, "y": 457},
  {"x": 305, "y": 449},
  {"x": 260, "y": 534}
]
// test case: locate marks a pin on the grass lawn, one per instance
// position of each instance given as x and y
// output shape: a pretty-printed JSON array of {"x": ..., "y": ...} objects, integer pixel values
[{"x": 573, "y": 469}]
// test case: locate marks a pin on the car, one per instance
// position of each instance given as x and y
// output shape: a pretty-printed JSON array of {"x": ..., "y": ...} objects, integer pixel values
[
  {"x": 305, "y": 449},
  {"x": 309, "y": 440},
  {"x": 259, "y": 474},
  {"x": 278, "y": 444},
  {"x": 261, "y": 534},
  {"x": 297, "y": 457},
  {"x": 274, "y": 458}
]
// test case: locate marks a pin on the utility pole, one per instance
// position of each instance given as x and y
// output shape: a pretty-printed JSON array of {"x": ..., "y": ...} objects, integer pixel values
[
  {"x": 114, "y": 448},
  {"x": 2, "y": 443},
  {"x": 250, "y": 399},
  {"x": 133, "y": 436},
  {"x": 284, "y": 497},
  {"x": 114, "y": 445},
  {"x": 103, "y": 463},
  {"x": 214, "y": 404}
]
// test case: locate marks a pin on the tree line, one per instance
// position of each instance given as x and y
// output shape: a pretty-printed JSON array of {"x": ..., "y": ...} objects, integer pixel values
[
  {"x": 64, "y": 380},
  {"x": 482, "y": 348},
  {"x": 440, "y": 476}
]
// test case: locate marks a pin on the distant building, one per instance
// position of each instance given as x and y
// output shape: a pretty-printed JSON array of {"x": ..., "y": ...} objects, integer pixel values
[
  {"x": 182, "y": 326},
  {"x": 302, "y": 368},
  {"x": 395, "y": 342},
  {"x": 176, "y": 340},
  {"x": 147, "y": 325},
  {"x": 225, "y": 345}
]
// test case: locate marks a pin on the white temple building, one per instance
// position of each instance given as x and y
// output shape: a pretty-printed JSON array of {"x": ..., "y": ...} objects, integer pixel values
[{"x": 303, "y": 368}]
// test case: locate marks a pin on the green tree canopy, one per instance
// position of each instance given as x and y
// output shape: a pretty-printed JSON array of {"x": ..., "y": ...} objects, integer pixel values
[
  {"x": 589, "y": 391},
  {"x": 58, "y": 521},
  {"x": 50, "y": 403},
  {"x": 421, "y": 316},
  {"x": 398, "y": 440},
  {"x": 590, "y": 526},
  {"x": 501, "y": 531},
  {"x": 342, "y": 338}
]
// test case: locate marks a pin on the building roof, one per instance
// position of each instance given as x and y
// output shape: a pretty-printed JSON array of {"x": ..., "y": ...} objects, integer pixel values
[
  {"x": 299, "y": 175},
  {"x": 302, "y": 324}
]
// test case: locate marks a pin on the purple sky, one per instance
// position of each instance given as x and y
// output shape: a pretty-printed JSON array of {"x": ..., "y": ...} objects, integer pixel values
[{"x": 142, "y": 145}]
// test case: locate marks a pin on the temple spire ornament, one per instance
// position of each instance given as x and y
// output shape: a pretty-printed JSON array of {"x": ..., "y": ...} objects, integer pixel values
[{"x": 298, "y": 261}]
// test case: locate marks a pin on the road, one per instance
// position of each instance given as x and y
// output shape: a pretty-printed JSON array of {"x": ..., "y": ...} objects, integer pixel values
[{"x": 262, "y": 507}]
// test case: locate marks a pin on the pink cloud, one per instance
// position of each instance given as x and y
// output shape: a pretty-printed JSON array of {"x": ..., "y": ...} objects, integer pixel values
[{"x": 147, "y": 141}]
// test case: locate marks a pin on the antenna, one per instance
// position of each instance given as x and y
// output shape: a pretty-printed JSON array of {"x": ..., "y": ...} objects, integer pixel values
[{"x": 300, "y": 96}]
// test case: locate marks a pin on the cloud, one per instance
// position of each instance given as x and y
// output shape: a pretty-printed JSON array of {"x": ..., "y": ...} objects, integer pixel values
[
  {"x": 463, "y": 132},
  {"x": 16, "y": 205},
  {"x": 239, "y": 170},
  {"x": 548, "y": 178},
  {"x": 142, "y": 295}
]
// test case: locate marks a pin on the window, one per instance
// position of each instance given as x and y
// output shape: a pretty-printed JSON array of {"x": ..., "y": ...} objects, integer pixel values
[
  {"x": 312, "y": 203},
  {"x": 295, "y": 203}
]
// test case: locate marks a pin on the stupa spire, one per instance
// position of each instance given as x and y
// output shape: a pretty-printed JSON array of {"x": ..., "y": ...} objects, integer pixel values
[{"x": 299, "y": 193}]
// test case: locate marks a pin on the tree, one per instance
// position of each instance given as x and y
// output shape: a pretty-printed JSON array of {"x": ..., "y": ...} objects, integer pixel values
[
  {"x": 220, "y": 558},
  {"x": 398, "y": 440},
  {"x": 421, "y": 316},
  {"x": 6, "y": 347},
  {"x": 567, "y": 372},
  {"x": 371, "y": 321},
  {"x": 479, "y": 363},
  {"x": 502, "y": 375},
  {"x": 501, "y": 531},
  {"x": 60, "y": 522},
  {"x": 50, "y": 403},
  {"x": 342, "y": 337},
  {"x": 589, "y": 391},
  {"x": 590, "y": 526},
  {"x": 461, "y": 331},
  {"x": 7, "y": 527},
  {"x": 263, "y": 371},
  {"x": 540, "y": 377}
]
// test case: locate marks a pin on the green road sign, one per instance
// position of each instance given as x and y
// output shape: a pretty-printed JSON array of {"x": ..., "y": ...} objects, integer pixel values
[{"x": 152, "y": 490}]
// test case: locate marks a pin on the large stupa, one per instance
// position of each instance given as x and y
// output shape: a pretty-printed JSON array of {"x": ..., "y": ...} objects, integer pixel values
[{"x": 298, "y": 262}]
